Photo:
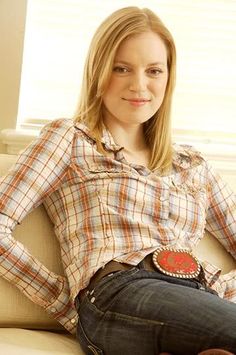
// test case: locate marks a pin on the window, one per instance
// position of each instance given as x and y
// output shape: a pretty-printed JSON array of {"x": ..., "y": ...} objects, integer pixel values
[{"x": 57, "y": 36}]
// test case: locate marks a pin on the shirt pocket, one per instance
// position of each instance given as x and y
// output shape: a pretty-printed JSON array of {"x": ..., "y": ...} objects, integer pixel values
[
  {"x": 126, "y": 194},
  {"x": 188, "y": 205},
  {"x": 104, "y": 175}
]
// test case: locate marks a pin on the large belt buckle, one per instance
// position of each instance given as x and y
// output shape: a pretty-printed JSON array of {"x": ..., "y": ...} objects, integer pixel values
[{"x": 176, "y": 262}]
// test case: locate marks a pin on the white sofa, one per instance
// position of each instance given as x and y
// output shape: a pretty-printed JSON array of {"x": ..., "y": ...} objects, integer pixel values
[{"x": 25, "y": 328}]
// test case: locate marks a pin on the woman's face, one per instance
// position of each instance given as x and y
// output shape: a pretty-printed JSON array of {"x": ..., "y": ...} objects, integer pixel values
[{"x": 138, "y": 80}]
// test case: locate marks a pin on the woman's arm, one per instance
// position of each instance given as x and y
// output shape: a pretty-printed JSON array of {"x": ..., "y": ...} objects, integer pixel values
[
  {"x": 221, "y": 214},
  {"x": 38, "y": 172}
]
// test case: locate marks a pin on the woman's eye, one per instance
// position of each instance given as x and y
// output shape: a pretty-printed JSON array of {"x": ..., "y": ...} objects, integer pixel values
[
  {"x": 121, "y": 70},
  {"x": 155, "y": 71}
]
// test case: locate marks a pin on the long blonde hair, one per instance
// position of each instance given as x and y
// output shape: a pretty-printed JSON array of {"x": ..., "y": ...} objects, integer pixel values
[{"x": 116, "y": 28}]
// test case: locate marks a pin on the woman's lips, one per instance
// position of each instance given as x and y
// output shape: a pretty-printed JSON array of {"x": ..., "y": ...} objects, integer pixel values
[{"x": 137, "y": 102}]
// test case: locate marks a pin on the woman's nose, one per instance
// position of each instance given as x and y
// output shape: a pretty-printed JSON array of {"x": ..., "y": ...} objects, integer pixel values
[{"x": 138, "y": 82}]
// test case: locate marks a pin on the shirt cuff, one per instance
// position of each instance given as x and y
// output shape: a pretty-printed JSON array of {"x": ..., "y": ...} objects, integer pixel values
[{"x": 62, "y": 309}]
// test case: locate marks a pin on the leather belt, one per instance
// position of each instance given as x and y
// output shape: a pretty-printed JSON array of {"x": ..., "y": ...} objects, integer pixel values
[
  {"x": 110, "y": 267},
  {"x": 114, "y": 266}
]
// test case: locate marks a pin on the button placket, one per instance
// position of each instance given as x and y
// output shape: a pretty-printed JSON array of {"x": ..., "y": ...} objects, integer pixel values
[{"x": 164, "y": 202}]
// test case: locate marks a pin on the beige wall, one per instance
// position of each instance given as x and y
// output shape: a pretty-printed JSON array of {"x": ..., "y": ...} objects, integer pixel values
[{"x": 12, "y": 24}]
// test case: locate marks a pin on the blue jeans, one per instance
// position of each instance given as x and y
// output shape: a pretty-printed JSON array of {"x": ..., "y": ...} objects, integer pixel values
[{"x": 135, "y": 312}]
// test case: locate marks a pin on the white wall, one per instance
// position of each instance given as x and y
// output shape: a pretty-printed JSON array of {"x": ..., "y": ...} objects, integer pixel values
[{"x": 12, "y": 25}]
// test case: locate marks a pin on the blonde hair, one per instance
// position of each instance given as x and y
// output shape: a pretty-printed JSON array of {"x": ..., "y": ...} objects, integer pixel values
[{"x": 116, "y": 28}]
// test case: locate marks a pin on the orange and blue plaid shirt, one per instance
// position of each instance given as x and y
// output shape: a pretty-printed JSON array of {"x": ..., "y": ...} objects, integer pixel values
[{"x": 104, "y": 208}]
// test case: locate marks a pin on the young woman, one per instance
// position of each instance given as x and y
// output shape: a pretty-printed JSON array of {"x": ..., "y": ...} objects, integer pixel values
[{"x": 128, "y": 207}]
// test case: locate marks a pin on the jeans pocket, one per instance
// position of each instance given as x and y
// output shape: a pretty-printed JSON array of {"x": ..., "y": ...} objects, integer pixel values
[{"x": 86, "y": 344}]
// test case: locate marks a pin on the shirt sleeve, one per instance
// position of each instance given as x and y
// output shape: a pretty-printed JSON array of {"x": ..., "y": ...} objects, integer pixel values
[
  {"x": 39, "y": 171},
  {"x": 221, "y": 213}
]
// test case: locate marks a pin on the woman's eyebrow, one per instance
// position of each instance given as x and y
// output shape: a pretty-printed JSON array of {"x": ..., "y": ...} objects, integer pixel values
[{"x": 148, "y": 65}]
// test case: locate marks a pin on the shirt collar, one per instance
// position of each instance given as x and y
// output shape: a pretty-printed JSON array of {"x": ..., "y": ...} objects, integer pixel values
[
  {"x": 185, "y": 156},
  {"x": 107, "y": 139}
]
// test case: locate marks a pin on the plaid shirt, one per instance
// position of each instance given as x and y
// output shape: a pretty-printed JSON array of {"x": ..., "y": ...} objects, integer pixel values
[{"x": 104, "y": 208}]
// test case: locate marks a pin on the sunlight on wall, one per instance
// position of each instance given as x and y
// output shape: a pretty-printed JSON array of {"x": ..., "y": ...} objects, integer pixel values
[{"x": 58, "y": 33}]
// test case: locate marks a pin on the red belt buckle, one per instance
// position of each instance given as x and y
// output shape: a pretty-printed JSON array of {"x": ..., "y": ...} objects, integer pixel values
[{"x": 176, "y": 262}]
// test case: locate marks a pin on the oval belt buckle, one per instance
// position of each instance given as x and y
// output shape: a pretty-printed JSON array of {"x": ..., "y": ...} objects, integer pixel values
[{"x": 176, "y": 262}]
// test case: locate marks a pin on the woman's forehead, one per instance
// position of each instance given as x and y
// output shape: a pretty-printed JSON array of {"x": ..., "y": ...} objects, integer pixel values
[{"x": 147, "y": 46}]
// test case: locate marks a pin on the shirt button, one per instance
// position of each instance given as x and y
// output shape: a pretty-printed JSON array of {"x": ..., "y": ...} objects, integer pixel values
[
  {"x": 53, "y": 309},
  {"x": 73, "y": 321}
]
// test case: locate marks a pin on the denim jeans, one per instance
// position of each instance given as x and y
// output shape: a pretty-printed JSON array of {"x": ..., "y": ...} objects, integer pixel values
[{"x": 134, "y": 312}]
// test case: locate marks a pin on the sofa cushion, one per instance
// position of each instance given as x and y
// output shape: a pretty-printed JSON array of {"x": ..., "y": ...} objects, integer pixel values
[{"x": 21, "y": 341}]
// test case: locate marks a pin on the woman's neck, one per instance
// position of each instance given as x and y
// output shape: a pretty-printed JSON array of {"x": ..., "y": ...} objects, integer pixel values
[{"x": 130, "y": 137}]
